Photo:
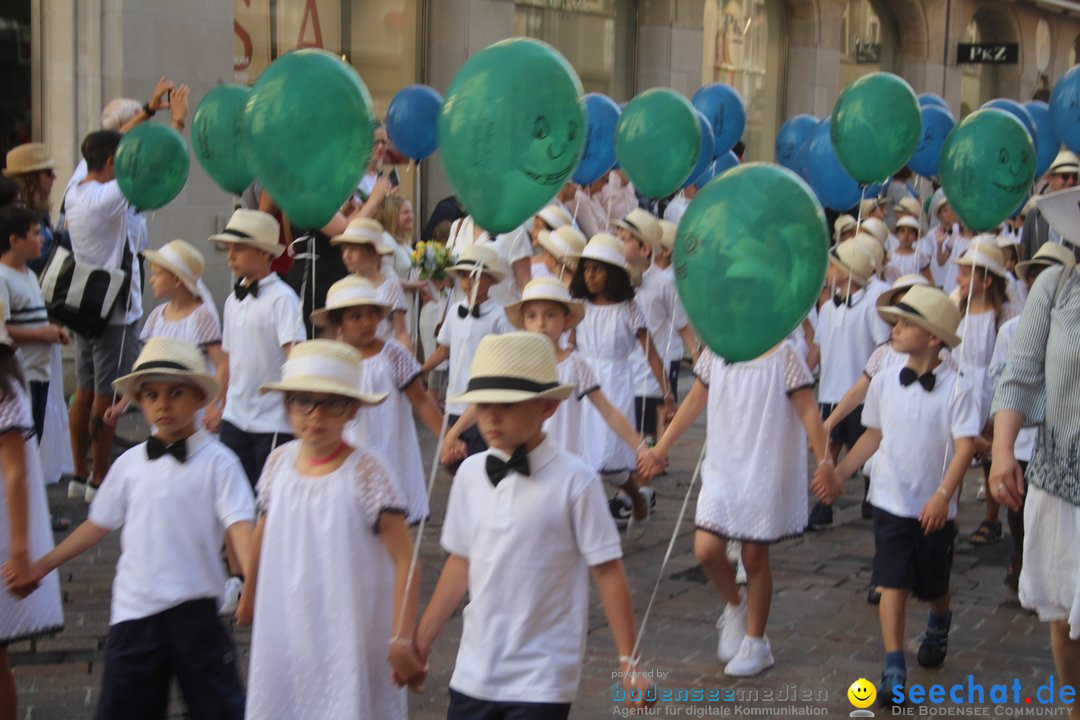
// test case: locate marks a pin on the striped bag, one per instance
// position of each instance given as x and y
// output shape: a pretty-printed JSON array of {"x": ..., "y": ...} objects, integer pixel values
[{"x": 82, "y": 296}]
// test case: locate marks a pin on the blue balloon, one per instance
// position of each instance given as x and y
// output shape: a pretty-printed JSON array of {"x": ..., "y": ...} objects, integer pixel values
[
  {"x": 1049, "y": 144},
  {"x": 705, "y": 155},
  {"x": 1065, "y": 108},
  {"x": 412, "y": 120},
  {"x": 937, "y": 123},
  {"x": 601, "y": 115},
  {"x": 1020, "y": 113},
  {"x": 723, "y": 107},
  {"x": 725, "y": 162},
  {"x": 822, "y": 169},
  {"x": 932, "y": 99},
  {"x": 790, "y": 139}
]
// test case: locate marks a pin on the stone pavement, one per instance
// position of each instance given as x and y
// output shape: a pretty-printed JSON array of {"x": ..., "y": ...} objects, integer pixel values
[{"x": 824, "y": 634}]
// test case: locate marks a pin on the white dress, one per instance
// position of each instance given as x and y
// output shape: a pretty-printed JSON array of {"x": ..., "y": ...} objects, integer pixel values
[
  {"x": 325, "y": 597},
  {"x": 899, "y": 264},
  {"x": 978, "y": 333},
  {"x": 388, "y": 429},
  {"x": 754, "y": 477},
  {"x": 201, "y": 327},
  {"x": 40, "y": 613},
  {"x": 566, "y": 428},
  {"x": 391, "y": 293},
  {"x": 606, "y": 339},
  {"x": 55, "y": 450}
]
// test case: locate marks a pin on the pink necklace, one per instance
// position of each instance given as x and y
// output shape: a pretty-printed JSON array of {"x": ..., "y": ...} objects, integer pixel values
[{"x": 315, "y": 462}]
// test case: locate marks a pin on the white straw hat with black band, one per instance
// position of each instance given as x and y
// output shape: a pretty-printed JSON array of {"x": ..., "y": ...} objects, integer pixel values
[
  {"x": 1048, "y": 255},
  {"x": 876, "y": 228},
  {"x": 929, "y": 308},
  {"x": 169, "y": 360},
  {"x": 908, "y": 221},
  {"x": 478, "y": 259},
  {"x": 182, "y": 260},
  {"x": 563, "y": 243},
  {"x": 668, "y": 233},
  {"x": 546, "y": 288},
  {"x": 364, "y": 231},
  {"x": 511, "y": 368},
  {"x": 853, "y": 259},
  {"x": 555, "y": 216},
  {"x": 900, "y": 287},
  {"x": 908, "y": 205},
  {"x": 349, "y": 291},
  {"x": 1066, "y": 163},
  {"x": 643, "y": 225},
  {"x": 253, "y": 228},
  {"x": 605, "y": 248},
  {"x": 984, "y": 253},
  {"x": 323, "y": 366}
]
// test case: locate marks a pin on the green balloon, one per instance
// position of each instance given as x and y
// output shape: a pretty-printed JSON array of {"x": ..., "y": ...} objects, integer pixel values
[
  {"x": 310, "y": 124},
  {"x": 987, "y": 167},
  {"x": 750, "y": 258},
  {"x": 151, "y": 165},
  {"x": 218, "y": 138},
  {"x": 657, "y": 141},
  {"x": 511, "y": 131},
  {"x": 876, "y": 125}
]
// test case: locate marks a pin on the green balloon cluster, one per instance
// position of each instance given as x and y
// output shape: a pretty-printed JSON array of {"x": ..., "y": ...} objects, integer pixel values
[
  {"x": 151, "y": 165},
  {"x": 875, "y": 126},
  {"x": 987, "y": 167},
  {"x": 750, "y": 258},
  {"x": 310, "y": 123},
  {"x": 511, "y": 131},
  {"x": 657, "y": 141},
  {"x": 218, "y": 137}
]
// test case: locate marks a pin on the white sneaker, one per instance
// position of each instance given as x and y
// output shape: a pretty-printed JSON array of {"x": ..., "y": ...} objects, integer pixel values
[
  {"x": 732, "y": 627},
  {"x": 740, "y": 573},
  {"x": 76, "y": 489},
  {"x": 89, "y": 493},
  {"x": 230, "y": 597},
  {"x": 733, "y": 551},
  {"x": 754, "y": 657},
  {"x": 637, "y": 529}
]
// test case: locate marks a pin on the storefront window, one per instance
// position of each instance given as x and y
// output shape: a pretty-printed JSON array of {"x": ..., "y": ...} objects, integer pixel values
[
  {"x": 868, "y": 41},
  {"x": 978, "y": 83},
  {"x": 596, "y": 36},
  {"x": 15, "y": 101}
]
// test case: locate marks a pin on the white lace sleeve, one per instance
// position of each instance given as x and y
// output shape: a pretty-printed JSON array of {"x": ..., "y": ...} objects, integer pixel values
[
  {"x": 376, "y": 490},
  {"x": 404, "y": 368},
  {"x": 873, "y": 363},
  {"x": 635, "y": 318},
  {"x": 797, "y": 375},
  {"x": 703, "y": 367},
  {"x": 586, "y": 378},
  {"x": 15, "y": 411}
]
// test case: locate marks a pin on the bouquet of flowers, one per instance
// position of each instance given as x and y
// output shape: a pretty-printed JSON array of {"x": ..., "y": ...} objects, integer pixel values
[{"x": 431, "y": 259}]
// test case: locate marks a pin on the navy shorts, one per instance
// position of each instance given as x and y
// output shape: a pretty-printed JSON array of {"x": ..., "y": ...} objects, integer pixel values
[
  {"x": 251, "y": 448},
  {"x": 645, "y": 411},
  {"x": 905, "y": 558},
  {"x": 463, "y": 707},
  {"x": 849, "y": 430}
]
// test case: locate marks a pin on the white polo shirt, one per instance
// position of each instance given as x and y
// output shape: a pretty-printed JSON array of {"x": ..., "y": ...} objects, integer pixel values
[
  {"x": 256, "y": 331},
  {"x": 847, "y": 335},
  {"x": 174, "y": 516},
  {"x": 530, "y": 542},
  {"x": 917, "y": 429},
  {"x": 664, "y": 316},
  {"x": 462, "y": 335},
  {"x": 1028, "y": 437}
]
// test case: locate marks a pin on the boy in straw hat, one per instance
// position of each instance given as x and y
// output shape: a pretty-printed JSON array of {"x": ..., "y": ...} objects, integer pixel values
[
  {"x": 559, "y": 251},
  {"x": 914, "y": 511},
  {"x": 464, "y": 326},
  {"x": 174, "y": 498},
  {"x": 262, "y": 322},
  {"x": 524, "y": 505}
]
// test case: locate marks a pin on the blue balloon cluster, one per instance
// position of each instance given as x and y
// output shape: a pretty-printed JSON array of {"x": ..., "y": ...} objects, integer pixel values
[
  {"x": 937, "y": 123},
  {"x": 790, "y": 139},
  {"x": 1048, "y": 145},
  {"x": 1065, "y": 108},
  {"x": 723, "y": 107},
  {"x": 705, "y": 156},
  {"x": 601, "y": 116},
  {"x": 822, "y": 170}
]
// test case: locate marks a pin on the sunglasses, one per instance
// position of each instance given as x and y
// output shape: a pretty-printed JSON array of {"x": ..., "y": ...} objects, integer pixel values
[{"x": 333, "y": 406}]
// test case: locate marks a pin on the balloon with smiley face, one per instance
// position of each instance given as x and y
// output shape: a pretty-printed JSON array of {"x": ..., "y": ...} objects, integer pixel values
[
  {"x": 658, "y": 141},
  {"x": 875, "y": 126},
  {"x": 937, "y": 123},
  {"x": 987, "y": 166},
  {"x": 511, "y": 131}
]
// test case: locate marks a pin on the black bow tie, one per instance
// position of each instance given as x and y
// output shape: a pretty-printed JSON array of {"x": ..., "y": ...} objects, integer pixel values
[
  {"x": 908, "y": 376},
  {"x": 155, "y": 448},
  {"x": 243, "y": 291},
  {"x": 497, "y": 468},
  {"x": 463, "y": 311}
]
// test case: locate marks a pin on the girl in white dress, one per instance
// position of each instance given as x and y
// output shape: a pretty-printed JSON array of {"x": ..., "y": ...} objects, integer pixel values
[
  {"x": 24, "y": 523},
  {"x": 353, "y": 312},
  {"x": 906, "y": 258},
  {"x": 330, "y": 559},
  {"x": 612, "y": 327},
  {"x": 362, "y": 249},
  {"x": 753, "y": 482}
]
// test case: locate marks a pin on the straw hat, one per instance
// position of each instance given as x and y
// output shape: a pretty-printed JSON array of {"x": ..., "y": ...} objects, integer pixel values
[
  {"x": 1061, "y": 210},
  {"x": 908, "y": 221},
  {"x": 876, "y": 228},
  {"x": 480, "y": 256},
  {"x": 984, "y": 253},
  {"x": 643, "y": 225},
  {"x": 545, "y": 288},
  {"x": 900, "y": 286},
  {"x": 843, "y": 224},
  {"x": 1066, "y": 163},
  {"x": 182, "y": 260},
  {"x": 874, "y": 249},
  {"x": 349, "y": 291},
  {"x": 323, "y": 366},
  {"x": 513, "y": 367},
  {"x": 562, "y": 243},
  {"x": 939, "y": 201},
  {"x": 668, "y": 232},
  {"x": 908, "y": 206},
  {"x": 869, "y": 205},
  {"x": 929, "y": 308},
  {"x": 1005, "y": 240},
  {"x": 555, "y": 216},
  {"x": 853, "y": 259},
  {"x": 364, "y": 231},
  {"x": 28, "y": 158},
  {"x": 253, "y": 228},
  {"x": 1048, "y": 255},
  {"x": 605, "y": 248},
  {"x": 169, "y": 360}
]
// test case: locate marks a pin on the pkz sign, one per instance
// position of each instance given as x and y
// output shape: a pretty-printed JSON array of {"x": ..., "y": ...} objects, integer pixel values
[{"x": 987, "y": 53}]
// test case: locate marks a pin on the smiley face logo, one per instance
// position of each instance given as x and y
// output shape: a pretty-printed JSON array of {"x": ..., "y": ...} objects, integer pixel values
[{"x": 862, "y": 693}]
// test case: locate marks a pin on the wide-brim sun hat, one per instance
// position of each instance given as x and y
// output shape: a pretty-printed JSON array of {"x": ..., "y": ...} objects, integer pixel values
[
  {"x": 169, "y": 360},
  {"x": 182, "y": 259},
  {"x": 929, "y": 308},
  {"x": 668, "y": 232},
  {"x": 984, "y": 253},
  {"x": 364, "y": 231},
  {"x": 1005, "y": 240},
  {"x": 349, "y": 291},
  {"x": 1061, "y": 210},
  {"x": 876, "y": 228},
  {"x": 873, "y": 248},
  {"x": 476, "y": 259},
  {"x": 565, "y": 242},
  {"x": 546, "y": 288},
  {"x": 899, "y": 287},
  {"x": 605, "y": 248},
  {"x": 643, "y": 225},
  {"x": 869, "y": 205},
  {"x": 28, "y": 158},
  {"x": 909, "y": 206},
  {"x": 253, "y": 228},
  {"x": 853, "y": 259},
  {"x": 843, "y": 224},
  {"x": 324, "y": 366},
  {"x": 555, "y": 216},
  {"x": 1066, "y": 163},
  {"x": 908, "y": 221},
  {"x": 1048, "y": 255},
  {"x": 511, "y": 368}
]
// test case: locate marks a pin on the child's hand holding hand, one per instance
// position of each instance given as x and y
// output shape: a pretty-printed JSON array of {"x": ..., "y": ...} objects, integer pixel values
[
  {"x": 650, "y": 462},
  {"x": 640, "y": 689},
  {"x": 453, "y": 450},
  {"x": 408, "y": 667},
  {"x": 935, "y": 513},
  {"x": 20, "y": 575},
  {"x": 826, "y": 483}
]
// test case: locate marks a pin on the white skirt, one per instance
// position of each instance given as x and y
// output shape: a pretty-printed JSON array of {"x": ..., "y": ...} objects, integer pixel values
[{"x": 1050, "y": 578}]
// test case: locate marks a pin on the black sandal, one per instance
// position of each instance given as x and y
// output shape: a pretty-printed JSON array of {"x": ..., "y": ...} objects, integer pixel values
[{"x": 988, "y": 533}]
